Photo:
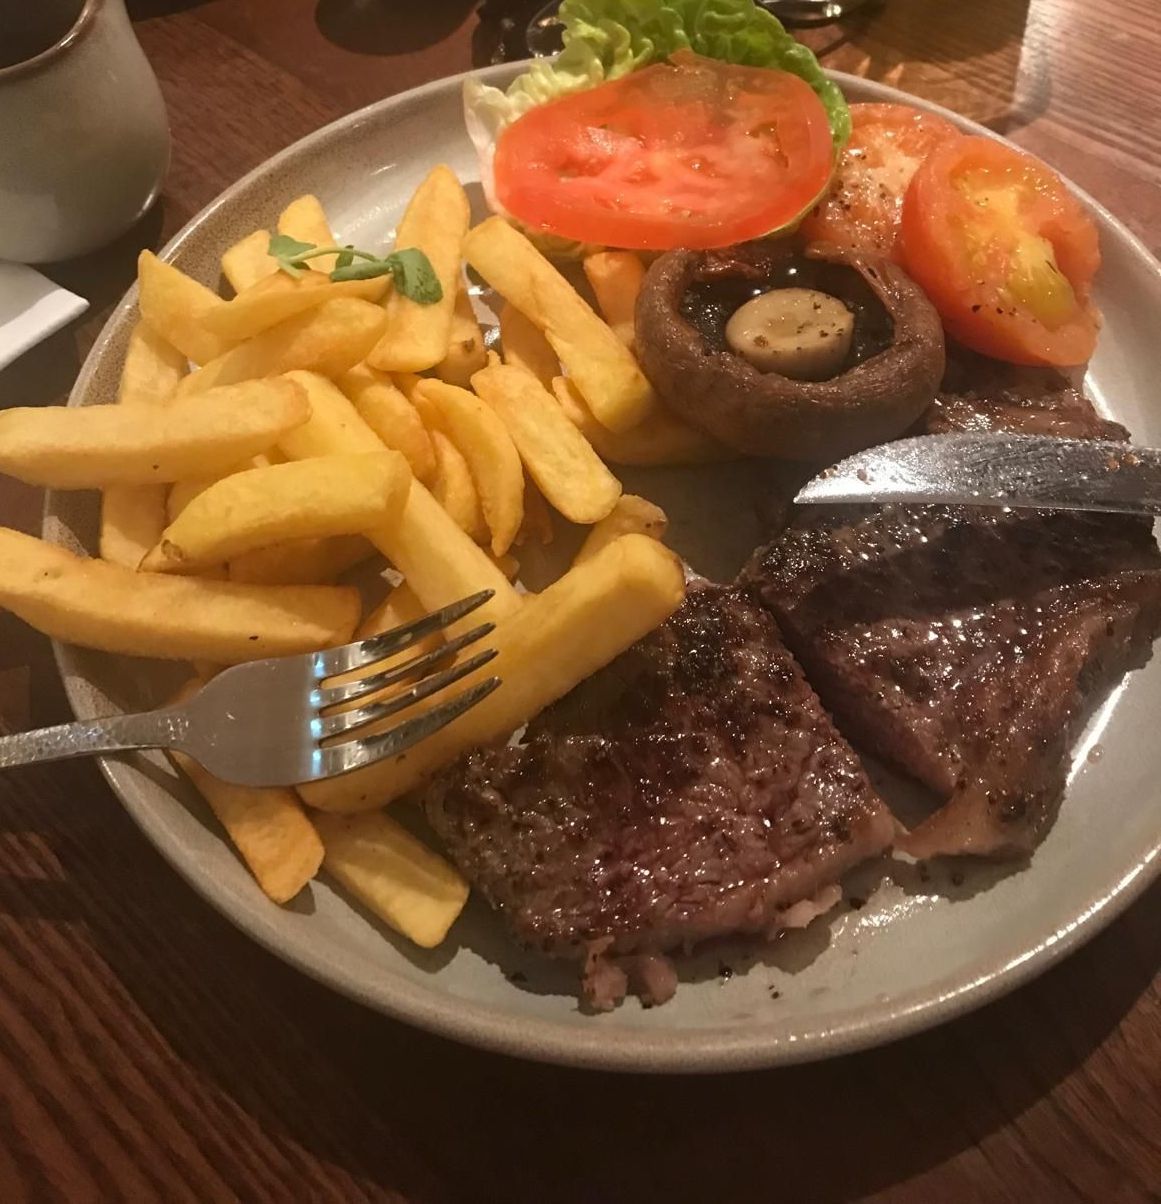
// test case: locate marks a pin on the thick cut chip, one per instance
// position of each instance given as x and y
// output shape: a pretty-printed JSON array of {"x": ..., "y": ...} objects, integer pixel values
[
  {"x": 274, "y": 299},
  {"x": 417, "y": 335},
  {"x": 441, "y": 563},
  {"x": 247, "y": 261},
  {"x": 305, "y": 219},
  {"x": 94, "y": 446},
  {"x": 601, "y": 366},
  {"x": 560, "y": 637},
  {"x": 455, "y": 490},
  {"x": 385, "y": 408},
  {"x": 301, "y": 561},
  {"x": 133, "y": 517},
  {"x": 105, "y": 606},
  {"x": 632, "y": 515},
  {"x": 524, "y": 346},
  {"x": 615, "y": 277},
  {"x": 325, "y": 496},
  {"x": 174, "y": 305},
  {"x": 181, "y": 493},
  {"x": 484, "y": 441},
  {"x": 558, "y": 457},
  {"x": 393, "y": 874},
  {"x": 465, "y": 349},
  {"x": 330, "y": 339},
  {"x": 660, "y": 439}
]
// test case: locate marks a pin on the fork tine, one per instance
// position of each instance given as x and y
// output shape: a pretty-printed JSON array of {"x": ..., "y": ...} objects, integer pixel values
[
  {"x": 353, "y": 754},
  {"x": 323, "y": 697},
  {"x": 334, "y": 661},
  {"x": 335, "y": 725}
]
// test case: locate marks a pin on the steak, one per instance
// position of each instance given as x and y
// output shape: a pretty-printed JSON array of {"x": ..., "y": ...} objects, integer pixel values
[
  {"x": 692, "y": 789},
  {"x": 962, "y": 644},
  {"x": 1021, "y": 401}
]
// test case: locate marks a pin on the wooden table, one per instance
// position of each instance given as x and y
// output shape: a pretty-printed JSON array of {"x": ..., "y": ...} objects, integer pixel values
[{"x": 148, "y": 1051}]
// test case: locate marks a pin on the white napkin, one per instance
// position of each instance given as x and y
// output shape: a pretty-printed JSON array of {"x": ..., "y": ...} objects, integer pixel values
[{"x": 31, "y": 308}]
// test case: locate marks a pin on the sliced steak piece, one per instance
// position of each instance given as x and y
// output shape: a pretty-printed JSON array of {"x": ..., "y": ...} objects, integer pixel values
[
  {"x": 692, "y": 789},
  {"x": 1038, "y": 406},
  {"x": 961, "y": 644}
]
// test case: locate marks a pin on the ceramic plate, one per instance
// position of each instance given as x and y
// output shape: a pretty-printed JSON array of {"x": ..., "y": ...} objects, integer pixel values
[{"x": 902, "y": 953}]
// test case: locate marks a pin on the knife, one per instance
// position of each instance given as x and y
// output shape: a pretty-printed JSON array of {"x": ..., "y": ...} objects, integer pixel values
[{"x": 1036, "y": 471}]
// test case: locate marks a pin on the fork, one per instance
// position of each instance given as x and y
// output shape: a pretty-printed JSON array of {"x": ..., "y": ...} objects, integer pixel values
[{"x": 273, "y": 723}]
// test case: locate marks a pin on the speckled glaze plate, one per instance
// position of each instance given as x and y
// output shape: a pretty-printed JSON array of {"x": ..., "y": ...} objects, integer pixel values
[{"x": 904, "y": 952}]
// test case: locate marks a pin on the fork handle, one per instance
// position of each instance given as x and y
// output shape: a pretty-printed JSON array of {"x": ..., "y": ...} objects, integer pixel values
[{"x": 120, "y": 733}]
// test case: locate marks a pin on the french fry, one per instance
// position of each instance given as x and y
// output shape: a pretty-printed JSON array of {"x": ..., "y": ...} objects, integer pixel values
[
  {"x": 174, "y": 306},
  {"x": 560, "y": 637},
  {"x": 408, "y": 384},
  {"x": 632, "y": 515},
  {"x": 393, "y": 874},
  {"x": 181, "y": 493},
  {"x": 388, "y": 412},
  {"x": 95, "y": 446},
  {"x": 399, "y": 608},
  {"x": 491, "y": 455},
  {"x": 661, "y": 439},
  {"x": 439, "y": 561},
  {"x": 269, "y": 828},
  {"x": 525, "y": 346},
  {"x": 455, "y": 490},
  {"x": 305, "y": 219},
  {"x": 607, "y": 375},
  {"x": 247, "y": 261},
  {"x": 301, "y": 561},
  {"x": 328, "y": 495},
  {"x": 558, "y": 457},
  {"x": 436, "y": 220},
  {"x": 132, "y": 520},
  {"x": 133, "y": 517},
  {"x": 274, "y": 299},
  {"x": 335, "y": 427},
  {"x": 329, "y": 339},
  {"x": 616, "y": 278},
  {"x": 105, "y": 606},
  {"x": 538, "y": 522},
  {"x": 153, "y": 369},
  {"x": 465, "y": 348}
]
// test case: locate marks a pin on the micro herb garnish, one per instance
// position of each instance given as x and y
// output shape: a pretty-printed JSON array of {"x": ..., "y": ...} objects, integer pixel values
[{"x": 410, "y": 269}]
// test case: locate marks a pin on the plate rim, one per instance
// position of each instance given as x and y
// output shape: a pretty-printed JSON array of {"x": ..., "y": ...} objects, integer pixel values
[{"x": 595, "y": 1046}]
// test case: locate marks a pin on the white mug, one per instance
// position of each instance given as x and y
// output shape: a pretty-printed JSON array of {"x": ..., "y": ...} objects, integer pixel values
[{"x": 84, "y": 141}]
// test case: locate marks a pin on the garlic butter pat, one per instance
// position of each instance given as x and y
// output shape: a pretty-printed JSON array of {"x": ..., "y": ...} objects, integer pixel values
[{"x": 797, "y": 332}]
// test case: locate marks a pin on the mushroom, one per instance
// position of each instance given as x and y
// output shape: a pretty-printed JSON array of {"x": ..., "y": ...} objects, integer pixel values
[
  {"x": 732, "y": 342},
  {"x": 797, "y": 332}
]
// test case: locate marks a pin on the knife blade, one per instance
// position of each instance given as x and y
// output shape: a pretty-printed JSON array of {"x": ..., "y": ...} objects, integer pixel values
[{"x": 1036, "y": 471}]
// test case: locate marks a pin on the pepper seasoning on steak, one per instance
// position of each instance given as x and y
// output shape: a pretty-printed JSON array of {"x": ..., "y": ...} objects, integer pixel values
[{"x": 695, "y": 788}]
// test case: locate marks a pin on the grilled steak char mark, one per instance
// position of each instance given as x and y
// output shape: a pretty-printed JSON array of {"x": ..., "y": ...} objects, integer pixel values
[
  {"x": 694, "y": 788},
  {"x": 961, "y": 644}
]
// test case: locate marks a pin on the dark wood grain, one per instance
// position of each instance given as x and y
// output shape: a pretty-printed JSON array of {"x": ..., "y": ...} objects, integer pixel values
[{"x": 150, "y": 1052}]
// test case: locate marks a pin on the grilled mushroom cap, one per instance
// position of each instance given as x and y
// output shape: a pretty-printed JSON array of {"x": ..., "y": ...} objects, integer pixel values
[{"x": 891, "y": 373}]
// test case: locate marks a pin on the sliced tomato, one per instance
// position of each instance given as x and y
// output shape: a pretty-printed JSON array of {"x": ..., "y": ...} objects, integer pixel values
[
  {"x": 864, "y": 207},
  {"x": 689, "y": 153},
  {"x": 1005, "y": 252}
]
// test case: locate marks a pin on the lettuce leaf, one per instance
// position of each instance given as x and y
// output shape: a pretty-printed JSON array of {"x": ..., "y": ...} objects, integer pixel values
[{"x": 606, "y": 39}]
